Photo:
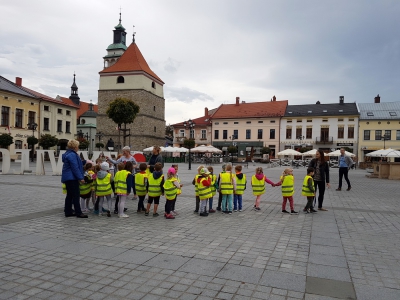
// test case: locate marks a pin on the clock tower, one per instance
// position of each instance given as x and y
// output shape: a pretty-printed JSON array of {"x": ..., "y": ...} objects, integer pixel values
[{"x": 118, "y": 47}]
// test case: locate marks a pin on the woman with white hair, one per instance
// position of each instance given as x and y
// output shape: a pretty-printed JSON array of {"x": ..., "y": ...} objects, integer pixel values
[{"x": 72, "y": 174}]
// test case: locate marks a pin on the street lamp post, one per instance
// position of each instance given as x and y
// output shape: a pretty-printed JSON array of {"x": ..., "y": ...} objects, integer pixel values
[
  {"x": 99, "y": 135},
  {"x": 384, "y": 139},
  {"x": 234, "y": 144},
  {"x": 33, "y": 126},
  {"x": 189, "y": 124},
  {"x": 301, "y": 139}
]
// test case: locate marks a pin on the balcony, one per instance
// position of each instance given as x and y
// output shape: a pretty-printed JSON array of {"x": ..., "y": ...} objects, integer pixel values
[{"x": 324, "y": 140}]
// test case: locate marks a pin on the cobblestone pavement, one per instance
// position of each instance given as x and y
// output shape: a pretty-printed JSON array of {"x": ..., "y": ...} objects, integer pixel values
[{"x": 349, "y": 252}]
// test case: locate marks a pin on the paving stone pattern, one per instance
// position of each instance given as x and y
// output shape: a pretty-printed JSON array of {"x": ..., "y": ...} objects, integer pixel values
[{"x": 349, "y": 252}]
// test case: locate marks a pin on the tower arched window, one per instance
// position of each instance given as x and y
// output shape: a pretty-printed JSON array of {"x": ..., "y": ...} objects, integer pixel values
[
  {"x": 153, "y": 85},
  {"x": 120, "y": 79}
]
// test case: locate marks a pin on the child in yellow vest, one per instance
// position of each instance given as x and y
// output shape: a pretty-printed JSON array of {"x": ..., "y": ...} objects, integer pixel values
[
  {"x": 203, "y": 187},
  {"x": 240, "y": 187},
  {"x": 258, "y": 184},
  {"x": 194, "y": 182},
  {"x": 123, "y": 182},
  {"x": 308, "y": 189},
  {"x": 103, "y": 187},
  {"x": 176, "y": 167},
  {"x": 155, "y": 188},
  {"x": 227, "y": 186},
  {"x": 171, "y": 186},
  {"x": 85, "y": 189},
  {"x": 213, "y": 187},
  {"x": 219, "y": 193},
  {"x": 140, "y": 186},
  {"x": 287, "y": 184}
]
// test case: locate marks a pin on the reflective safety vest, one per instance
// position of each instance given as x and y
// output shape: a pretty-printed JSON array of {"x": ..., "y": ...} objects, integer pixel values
[
  {"x": 240, "y": 185},
  {"x": 204, "y": 191},
  {"x": 170, "y": 190},
  {"x": 258, "y": 185},
  {"x": 226, "y": 183},
  {"x": 140, "y": 184},
  {"x": 195, "y": 184},
  {"x": 154, "y": 186},
  {"x": 287, "y": 185},
  {"x": 120, "y": 182},
  {"x": 213, "y": 180},
  {"x": 306, "y": 190},
  {"x": 103, "y": 186},
  {"x": 64, "y": 189},
  {"x": 179, "y": 190},
  {"x": 85, "y": 188}
]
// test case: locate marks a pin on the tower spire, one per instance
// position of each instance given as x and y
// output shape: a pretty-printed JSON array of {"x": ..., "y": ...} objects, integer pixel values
[
  {"x": 120, "y": 15},
  {"x": 133, "y": 35},
  {"x": 74, "y": 92}
]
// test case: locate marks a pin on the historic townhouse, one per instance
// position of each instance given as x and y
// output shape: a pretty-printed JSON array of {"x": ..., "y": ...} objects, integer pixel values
[
  {"x": 320, "y": 126},
  {"x": 248, "y": 126},
  {"x": 379, "y": 126}
]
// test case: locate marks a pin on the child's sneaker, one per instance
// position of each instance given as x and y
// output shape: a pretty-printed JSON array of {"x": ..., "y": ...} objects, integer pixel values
[
  {"x": 235, "y": 210},
  {"x": 204, "y": 214},
  {"x": 240, "y": 210},
  {"x": 257, "y": 208},
  {"x": 169, "y": 216},
  {"x": 146, "y": 213},
  {"x": 96, "y": 212},
  {"x": 116, "y": 212},
  {"x": 294, "y": 212},
  {"x": 155, "y": 214},
  {"x": 108, "y": 214},
  {"x": 307, "y": 211},
  {"x": 313, "y": 210},
  {"x": 211, "y": 211},
  {"x": 285, "y": 211},
  {"x": 124, "y": 216},
  {"x": 230, "y": 213}
]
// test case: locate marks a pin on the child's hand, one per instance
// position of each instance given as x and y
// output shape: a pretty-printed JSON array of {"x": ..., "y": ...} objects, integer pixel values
[{"x": 181, "y": 185}]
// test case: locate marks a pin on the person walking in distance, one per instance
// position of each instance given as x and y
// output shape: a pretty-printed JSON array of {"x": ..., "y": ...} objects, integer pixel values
[{"x": 345, "y": 163}]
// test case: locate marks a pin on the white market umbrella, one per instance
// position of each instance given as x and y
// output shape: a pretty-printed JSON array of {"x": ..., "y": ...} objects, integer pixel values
[
  {"x": 181, "y": 149},
  {"x": 385, "y": 153},
  {"x": 169, "y": 149},
  {"x": 149, "y": 149},
  {"x": 289, "y": 152},
  {"x": 337, "y": 153},
  {"x": 310, "y": 152},
  {"x": 205, "y": 149}
]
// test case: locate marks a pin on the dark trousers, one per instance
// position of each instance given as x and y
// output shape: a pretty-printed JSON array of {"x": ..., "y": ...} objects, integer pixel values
[
  {"x": 219, "y": 200},
  {"x": 168, "y": 205},
  {"x": 344, "y": 171},
  {"x": 140, "y": 205},
  {"x": 309, "y": 202},
  {"x": 72, "y": 198},
  {"x": 116, "y": 203},
  {"x": 321, "y": 186},
  {"x": 197, "y": 203}
]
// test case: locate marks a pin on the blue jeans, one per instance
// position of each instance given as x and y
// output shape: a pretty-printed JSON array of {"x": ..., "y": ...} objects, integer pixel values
[
  {"x": 210, "y": 202},
  {"x": 227, "y": 201},
  {"x": 237, "y": 202}
]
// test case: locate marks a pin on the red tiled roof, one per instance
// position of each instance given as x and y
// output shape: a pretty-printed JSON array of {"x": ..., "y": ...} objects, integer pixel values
[
  {"x": 131, "y": 60},
  {"x": 82, "y": 108},
  {"x": 49, "y": 99},
  {"x": 251, "y": 110}
]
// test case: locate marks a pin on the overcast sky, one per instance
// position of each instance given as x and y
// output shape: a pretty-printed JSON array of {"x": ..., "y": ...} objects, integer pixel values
[{"x": 209, "y": 52}]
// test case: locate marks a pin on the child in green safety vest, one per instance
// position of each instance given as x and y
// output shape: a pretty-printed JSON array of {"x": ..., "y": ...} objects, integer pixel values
[
  {"x": 227, "y": 187},
  {"x": 214, "y": 187},
  {"x": 123, "y": 182},
  {"x": 140, "y": 186},
  {"x": 308, "y": 189},
  {"x": 85, "y": 189},
  {"x": 287, "y": 184},
  {"x": 171, "y": 186},
  {"x": 240, "y": 187},
  {"x": 258, "y": 184},
  {"x": 155, "y": 188},
  {"x": 176, "y": 167},
  {"x": 203, "y": 187},
  {"x": 194, "y": 182},
  {"x": 103, "y": 187}
]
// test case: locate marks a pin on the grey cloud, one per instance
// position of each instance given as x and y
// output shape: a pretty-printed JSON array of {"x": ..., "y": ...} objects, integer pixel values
[
  {"x": 171, "y": 65},
  {"x": 185, "y": 94}
]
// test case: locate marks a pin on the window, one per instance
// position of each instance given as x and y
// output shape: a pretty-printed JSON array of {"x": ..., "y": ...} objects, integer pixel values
[
  {"x": 120, "y": 79},
  {"x": 248, "y": 134},
  {"x": 68, "y": 112},
  {"x": 288, "y": 133},
  {"x": 46, "y": 108},
  {"x": 68, "y": 127},
  {"x": 153, "y": 85},
  {"x": 351, "y": 120},
  {"x": 154, "y": 108},
  {"x": 310, "y": 111},
  {"x": 398, "y": 135},
  {"x": 260, "y": 121},
  {"x": 289, "y": 121},
  {"x": 340, "y": 110},
  {"x": 260, "y": 134},
  {"x": 191, "y": 133},
  {"x": 18, "y": 144},
  {"x": 272, "y": 121},
  {"x": 340, "y": 133},
  {"x": 235, "y": 122},
  {"x": 5, "y": 116},
  {"x": 340, "y": 120},
  {"x": 248, "y": 122},
  {"x": 225, "y": 123},
  {"x": 299, "y": 132},
  {"x": 350, "y": 132},
  {"x": 388, "y": 135},
  {"x": 370, "y": 114},
  {"x": 378, "y": 135},
  {"x": 59, "y": 111},
  {"x": 216, "y": 134},
  {"x": 325, "y": 120},
  {"x": 299, "y": 120},
  {"x": 155, "y": 129},
  {"x": 324, "y": 110},
  {"x": 236, "y": 133},
  {"x": 367, "y": 135},
  {"x": 203, "y": 134},
  {"x": 224, "y": 134},
  {"x": 46, "y": 124},
  {"x": 181, "y": 132},
  {"x": 392, "y": 113},
  {"x": 309, "y": 121},
  {"x": 308, "y": 133},
  {"x": 272, "y": 134},
  {"x": 59, "y": 126},
  {"x": 216, "y": 123},
  {"x": 31, "y": 117},
  {"x": 18, "y": 118}
]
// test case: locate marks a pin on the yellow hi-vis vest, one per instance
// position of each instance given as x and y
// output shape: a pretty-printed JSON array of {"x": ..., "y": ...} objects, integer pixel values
[
  {"x": 85, "y": 188},
  {"x": 226, "y": 183},
  {"x": 213, "y": 180},
  {"x": 170, "y": 190},
  {"x": 103, "y": 186},
  {"x": 154, "y": 186},
  {"x": 287, "y": 185},
  {"x": 140, "y": 184},
  {"x": 64, "y": 189},
  {"x": 306, "y": 190},
  {"x": 240, "y": 185},
  {"x": 120, "y": 182},
  {"x": 258, "y": 185},
  {"x": 196, "y": 188},
  {"x": 179, "y": 190},
  {"x": 204, "y": 191}
]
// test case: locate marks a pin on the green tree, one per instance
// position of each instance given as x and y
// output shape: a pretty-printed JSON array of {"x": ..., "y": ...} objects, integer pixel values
[
  {"x": 232, "y": 149},
  {"x": 169, "y": 130},
  {"x": 83, "y": 143},
  {"x": 47, "y": 141},
  {"x": 32, "y": 140},
  {"x": 5, "y": 140},
  {"x": 99, "y": 145},
  {"x": 122, "y": 111},
  {"x": 189, "y": 143},
  {"x": 265, "y": 150}
]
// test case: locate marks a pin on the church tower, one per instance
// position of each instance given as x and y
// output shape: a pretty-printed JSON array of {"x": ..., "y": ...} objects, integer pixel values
[
  {"x": 118, "y": 47},
  {"x": 74, "y": 93},
  {"x": 131, "y": 77}
]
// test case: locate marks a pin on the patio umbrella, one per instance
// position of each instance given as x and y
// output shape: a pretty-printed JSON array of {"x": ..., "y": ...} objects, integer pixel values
[
  {"x": 149, "y": 149},
  {"x": 310, "y": 152},
  {"x": 289, "y": 152},
  {"x": 205, "y": 149},
  {"x": 385, "y": 153},
  {"x": 337, "y": 153},
  {"x": 181, "y": 149}
]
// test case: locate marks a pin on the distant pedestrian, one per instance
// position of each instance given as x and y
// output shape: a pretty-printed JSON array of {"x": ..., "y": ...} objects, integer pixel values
[
  {"x": 258, "y": 184},
  {"x": 345, "y": 163},
  {"x": 308, "y": 189}
]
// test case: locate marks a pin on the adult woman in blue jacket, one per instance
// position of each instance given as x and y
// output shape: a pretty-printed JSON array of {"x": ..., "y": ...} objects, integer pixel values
[{"x": 72, "y": 174}]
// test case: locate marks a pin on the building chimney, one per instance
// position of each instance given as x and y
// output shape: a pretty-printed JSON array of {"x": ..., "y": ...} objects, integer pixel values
[
  {"x": 341, "y": 99},
  {"x": 206, "y": 112},
  {"x": 18, "y": 81},
  {"x": 274, "y": 98},
  {"x": 237, "y": 100},
  {"x": 377, "y": 99}
]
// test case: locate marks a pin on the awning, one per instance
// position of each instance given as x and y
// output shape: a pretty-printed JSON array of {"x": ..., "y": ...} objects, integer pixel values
[
  {"x": 248, "y": 148},
  {"x": 224, "y": 148}
]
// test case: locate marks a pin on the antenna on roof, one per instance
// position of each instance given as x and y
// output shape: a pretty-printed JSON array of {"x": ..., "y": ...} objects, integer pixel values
[
  {"x": 133, "y": 35},
  {"x": 120, "y": 15}
]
